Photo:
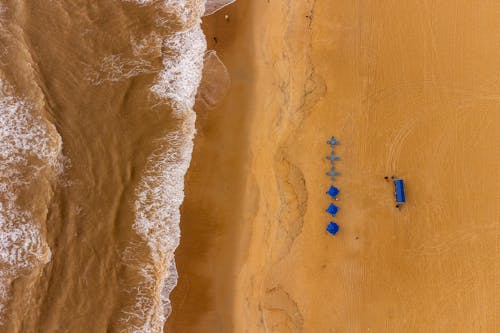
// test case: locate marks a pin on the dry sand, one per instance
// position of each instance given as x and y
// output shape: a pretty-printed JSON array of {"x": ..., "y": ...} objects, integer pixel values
[{"x": 410, "y": 89}]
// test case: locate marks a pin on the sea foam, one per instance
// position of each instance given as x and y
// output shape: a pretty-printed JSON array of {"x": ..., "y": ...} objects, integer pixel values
[
  {"x": 160, "y": 192},
  {"x": 29, "y": 148},
  {"x": 161, "y": 189}
]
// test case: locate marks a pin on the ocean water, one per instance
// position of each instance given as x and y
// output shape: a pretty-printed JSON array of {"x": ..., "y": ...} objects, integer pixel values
[{"x": 96, "y": 136}]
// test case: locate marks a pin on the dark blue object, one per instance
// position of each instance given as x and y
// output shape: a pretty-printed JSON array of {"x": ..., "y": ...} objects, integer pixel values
[
  {"x": 332, "y": 228},
  {"x": 400, "y": 191},
  {"x": 332, "y": 209},
  {"x": 333, "y": 191}
]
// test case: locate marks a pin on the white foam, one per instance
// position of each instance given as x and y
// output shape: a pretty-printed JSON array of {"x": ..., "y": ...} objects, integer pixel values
[
  {"x": 28, "y": 147},
  {"x": 115, "y": 67},
  {"x": 159, "y": 197},
  {"x": 182, "y": 68},
  {"x": 161, "y": 189},
  {"x": 184, "y": 12}
]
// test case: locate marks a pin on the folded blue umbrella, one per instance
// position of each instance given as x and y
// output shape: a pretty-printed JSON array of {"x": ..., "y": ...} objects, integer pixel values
[
  {"x": 333, "y": 141},
  {"x": 332, "y": 228}
]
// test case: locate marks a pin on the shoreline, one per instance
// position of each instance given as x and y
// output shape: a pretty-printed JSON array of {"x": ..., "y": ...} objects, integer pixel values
[{"x": 210, "y": 213}]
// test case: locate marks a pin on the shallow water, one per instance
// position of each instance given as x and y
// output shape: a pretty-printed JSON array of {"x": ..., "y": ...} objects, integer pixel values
[{"x": 96, "y": 130}]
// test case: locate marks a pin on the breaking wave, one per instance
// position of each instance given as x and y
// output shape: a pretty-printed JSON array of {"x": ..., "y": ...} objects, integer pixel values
[
  {"x": 160, "y": 191},
  {"x": 30, "y": 150},
  {"x": 31, "y": 155}
]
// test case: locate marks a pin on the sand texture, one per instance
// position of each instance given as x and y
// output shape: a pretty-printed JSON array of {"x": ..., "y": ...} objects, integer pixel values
[{"x": 411, "y": 89}]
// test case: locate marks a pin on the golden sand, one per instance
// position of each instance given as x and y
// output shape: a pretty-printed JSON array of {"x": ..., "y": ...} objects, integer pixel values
[{"x": 410, "y": 89}]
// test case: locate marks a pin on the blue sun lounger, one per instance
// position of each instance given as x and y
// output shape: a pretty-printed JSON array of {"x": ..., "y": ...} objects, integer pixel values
[{"x": 399, "y": 186}]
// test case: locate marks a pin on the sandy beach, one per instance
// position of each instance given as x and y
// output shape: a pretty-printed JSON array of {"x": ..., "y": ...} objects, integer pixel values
[{"x": 410, "y": 89}]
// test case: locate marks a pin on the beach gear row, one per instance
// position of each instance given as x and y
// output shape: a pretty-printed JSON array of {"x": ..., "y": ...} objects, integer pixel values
[{"x": 332, "y": 209}]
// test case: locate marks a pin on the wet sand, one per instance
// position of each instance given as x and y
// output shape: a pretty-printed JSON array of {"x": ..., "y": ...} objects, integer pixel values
[
  {"x": 212, "y": 212},
  {"x": 410, "y": 90}
]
